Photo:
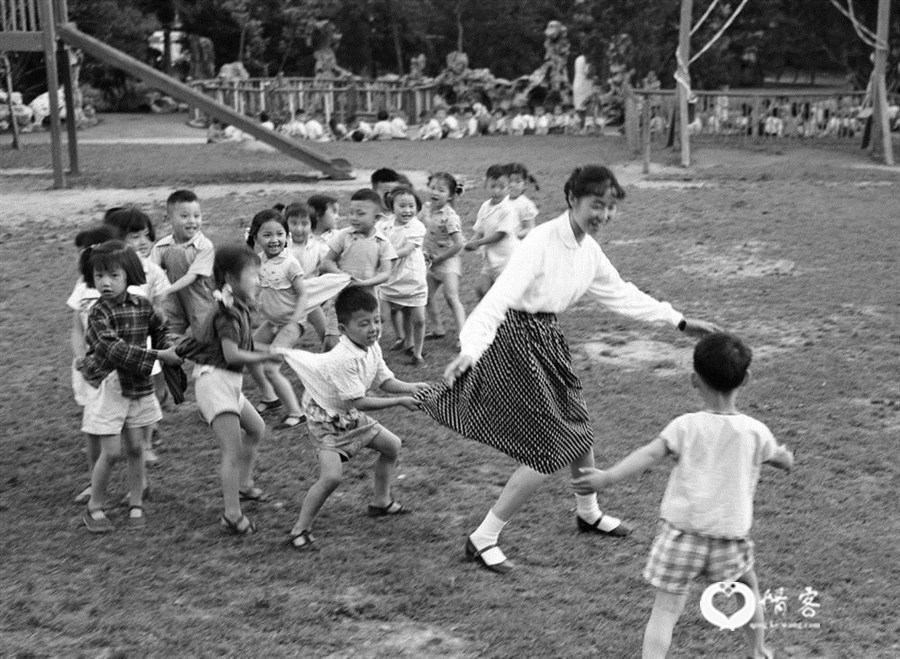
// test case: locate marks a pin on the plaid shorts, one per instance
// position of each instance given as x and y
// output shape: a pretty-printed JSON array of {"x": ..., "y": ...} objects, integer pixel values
[{"x": 678, "y": 557}]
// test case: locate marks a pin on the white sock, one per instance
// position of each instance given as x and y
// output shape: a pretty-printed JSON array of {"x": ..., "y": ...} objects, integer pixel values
[
  {"x": 489, "y": 532},
  {"x": 587, "y": 508}
]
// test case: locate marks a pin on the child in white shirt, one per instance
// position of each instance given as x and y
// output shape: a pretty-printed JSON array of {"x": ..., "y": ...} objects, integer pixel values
[
  {"x": 525, "y": 209},
  {"x": 495, "y": 228},
  {"x": 707, "y": 509}
]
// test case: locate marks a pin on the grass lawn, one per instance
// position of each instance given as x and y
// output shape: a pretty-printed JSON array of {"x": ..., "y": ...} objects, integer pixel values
[{"x": 795, "y": 250}]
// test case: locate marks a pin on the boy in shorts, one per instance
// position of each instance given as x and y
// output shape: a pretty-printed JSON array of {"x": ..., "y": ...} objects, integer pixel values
[
  {"x": 707, "y": 509},
  {"x": 335, "y": 401}
]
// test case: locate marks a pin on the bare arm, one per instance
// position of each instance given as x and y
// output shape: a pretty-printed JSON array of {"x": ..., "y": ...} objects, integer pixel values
[
  {"x": 395, "y": 386},
  {"x": 367, "y": 403},
  {"x": 180, "y": 284},
  {"x": 381, "y": 276},
  {"x": 329, "y": 263},
  {"x": 489, "y": 239},
  {"x": 237, "y": 357},
  {"x": 635, "y": 463},
  {"x": 77, "y": 337},
  {"x": 451, "y": 250},
  {"x": 300, "y": 308}
]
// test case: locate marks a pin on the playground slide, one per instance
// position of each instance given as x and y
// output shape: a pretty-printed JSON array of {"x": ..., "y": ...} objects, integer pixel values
[{"x": 337, "y": 168}]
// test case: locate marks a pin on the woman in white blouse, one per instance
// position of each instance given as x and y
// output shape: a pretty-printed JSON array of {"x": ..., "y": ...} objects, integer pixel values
[{"x": 512, "y": 386}]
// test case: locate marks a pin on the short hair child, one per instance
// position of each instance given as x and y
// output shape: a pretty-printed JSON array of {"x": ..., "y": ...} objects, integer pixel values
[
  {"x": 519, "y": 178},
  {"x": 707, "y": 509},
  {"x": 496, "y": 228},
  {"x": 222, "y": 347},
  {"x": 322, "y": 211},
  {"x": 336, "y": 402},
  {"x": 442, "y": 247},
  {"x": 118, "y": 364},
  {"x": 186, "y": 256}
]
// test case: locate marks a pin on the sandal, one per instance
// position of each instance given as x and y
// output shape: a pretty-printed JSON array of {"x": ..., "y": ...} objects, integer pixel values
[
  {"x": 399, "y": 344},
  {"x": 96, "y": 521},
  {"x": 291, "y": 421},
  {"x": 303, "y": 541},
  {"x": 136, "y": 521},
  {"x": 264, "y": 406},
  {"x": 499, "y": 563},
  {"x": 241, "y": 527},
  {"x": 253, "y": 494},
  {"x": 393, "y": 508},
  {"x": 620, "y": 530}
]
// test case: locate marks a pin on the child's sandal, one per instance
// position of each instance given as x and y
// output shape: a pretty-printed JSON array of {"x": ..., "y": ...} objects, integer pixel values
[
  {"x": 303, "y": 541},
  {"x": 242, "y": 526},
  {"x": 393, "y": 508},
  {"x": 136, "y": 517},
  {"x": 264, "y": 406},
  {"x": 96, "y": 521}
]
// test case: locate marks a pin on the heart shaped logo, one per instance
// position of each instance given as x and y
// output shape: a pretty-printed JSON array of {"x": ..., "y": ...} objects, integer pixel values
[{"x": 728, "y": 589}]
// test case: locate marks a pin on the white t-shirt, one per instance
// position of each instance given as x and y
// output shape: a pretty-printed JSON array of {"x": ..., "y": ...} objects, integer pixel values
[
  {"x": 718, "y": 458},
  {"x": 526, "y": 211},
  {"x": 498, "y": 217}
]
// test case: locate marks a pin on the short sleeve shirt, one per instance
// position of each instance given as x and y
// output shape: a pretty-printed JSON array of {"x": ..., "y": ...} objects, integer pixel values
[
  {"x": 226, "y": 323},
  {"x": 440, "y": 225},
  {"x": 525, "y": 209},
  {"x": 178, "y": 259},
  {"x": 277, "y": 297},
  {"x": 718, "y": 459},
  {"x": 310, "y": 255},
  {"x": 359, "y": 255},
  {"x": 498, "y": 217}
]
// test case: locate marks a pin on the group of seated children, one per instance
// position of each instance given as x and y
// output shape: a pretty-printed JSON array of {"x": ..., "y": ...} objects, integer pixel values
[{"x": 477, "y": 120}]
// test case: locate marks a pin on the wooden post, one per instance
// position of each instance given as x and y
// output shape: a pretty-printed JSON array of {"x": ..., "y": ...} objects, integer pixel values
[
  {"x": 13, "y": 123},
  {"x": 880, "y": 120},
  {"x": 48, "y": 30},
  {"x": 684, "y": 56},
  {"x": 646, "y": 133},
  {"x": 65, "y": 61}
]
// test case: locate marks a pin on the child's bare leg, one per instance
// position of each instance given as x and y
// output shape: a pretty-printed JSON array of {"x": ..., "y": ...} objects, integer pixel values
[
  {"x": 330, "y": 474},
  {"x": 266, "y": 390},
  {"x": 667, "y": 609},
  {"x": 91, "y": 453},
  {"x": 434, "y": 318},
  {"x": 483, "y": 284},
  {"x": 388, "y": 446},
  {"x": 415, "y": 323},
  {"x": 254, "y": 430},
  {"x": 316, "y": 318},
  {"x": 283, "y": 389},
  {"x": 133, "y": 440},
  {"x": 451, "y": 295},
  {"x": 227, "y": 429},
  {"x": 110, "y": 452},
  {"x": 397, "y": 323},
  {"x": 755, "y": 630}
]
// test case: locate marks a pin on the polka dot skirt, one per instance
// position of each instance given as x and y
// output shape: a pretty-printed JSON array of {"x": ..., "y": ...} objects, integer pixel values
[{"x": 521, "y": 397}]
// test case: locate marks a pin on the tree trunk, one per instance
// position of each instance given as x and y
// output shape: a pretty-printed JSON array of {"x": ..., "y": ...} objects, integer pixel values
[
  {"x": 459, "y": 27},
  {"x": 395, "y": 33}
]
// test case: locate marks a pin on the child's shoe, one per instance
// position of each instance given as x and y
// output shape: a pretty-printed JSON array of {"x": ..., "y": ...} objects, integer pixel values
[
  {"x": 136, "y": 517},
  {"x": 96, "y": 521}
]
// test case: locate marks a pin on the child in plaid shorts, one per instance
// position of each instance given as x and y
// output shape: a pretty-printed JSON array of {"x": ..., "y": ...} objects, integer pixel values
[{"x": 707, "y": 509}]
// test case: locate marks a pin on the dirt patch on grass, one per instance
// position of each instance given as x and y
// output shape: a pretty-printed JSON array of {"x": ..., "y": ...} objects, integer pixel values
[
  {"x": 749, "y": 259},
  {"x": 376, "y": 640},
  {"x": 631, "y": 354}
]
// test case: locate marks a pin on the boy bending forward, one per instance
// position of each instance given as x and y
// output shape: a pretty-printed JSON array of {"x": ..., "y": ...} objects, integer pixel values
[
  {"x": 335, "y": 402},
  {"x": 707, "y": 509}
]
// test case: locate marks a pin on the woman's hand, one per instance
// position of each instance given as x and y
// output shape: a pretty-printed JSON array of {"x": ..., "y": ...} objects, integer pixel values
[
  {"x": 457, "y": 367},
  {"x": 699, "y": 328}
]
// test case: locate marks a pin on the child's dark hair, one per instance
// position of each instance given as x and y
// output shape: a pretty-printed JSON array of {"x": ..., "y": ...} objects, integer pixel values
[
  {"x": 385, "y": 175},
  {"x": 367, "y": 194},
  {"x": 721, "y": 360},
  {"x": 518, "y": 169},
  {"x": 299, "y": 209},
  {"x": 391, "y": 197},
  {"x": 448, "y": 179},
  {"x": 592, "y": 180},
  {"x": 129, "y": 219},
  {"x": 267, "y": 215},
  {"x": 112, "y": 255},
  {"x": 181, "y": 197},
  {"x": 231, "y": 260},
  {"x": 352, "y": 299},
  {"x": 382, "y": 115},
  {"x": 318, "y": 204},
  {"x": 496, "y": 171},
  {"x": 88, "y": 238}
]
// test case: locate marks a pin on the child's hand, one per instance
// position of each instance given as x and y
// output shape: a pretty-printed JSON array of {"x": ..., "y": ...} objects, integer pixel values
[
  {"x": 457, "y": 367},
  {"x": 276, "y": 357},
  {"x": 471, "y": 246},
  {"x": 590, "y": 481},
  {"x": 168, "y": 356},
  {"x": 418, "y": 387},
  {"x": 409, "y": 403}
]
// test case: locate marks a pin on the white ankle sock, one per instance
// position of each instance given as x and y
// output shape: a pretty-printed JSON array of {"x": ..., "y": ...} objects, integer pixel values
[
  {"x": 489, "y": 532},
  {"x": 587, "y": 508}
]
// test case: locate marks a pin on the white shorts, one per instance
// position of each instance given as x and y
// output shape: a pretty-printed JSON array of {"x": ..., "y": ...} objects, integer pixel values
[
  {"x": 218, "y": 391},
  {"x": 107, "y": 411}
]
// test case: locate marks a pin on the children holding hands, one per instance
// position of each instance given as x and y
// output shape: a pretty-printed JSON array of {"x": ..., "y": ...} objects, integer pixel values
[{"x": 707, "y": 509}]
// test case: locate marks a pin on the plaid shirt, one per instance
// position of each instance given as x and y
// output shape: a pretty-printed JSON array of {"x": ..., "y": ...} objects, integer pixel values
[{"x": 116, "y": 337}]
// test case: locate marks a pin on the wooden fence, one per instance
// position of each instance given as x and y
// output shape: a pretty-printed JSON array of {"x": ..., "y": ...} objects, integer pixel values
[
  {"x": 744, "y": 116},
  {"x": 282, "y": 97}
]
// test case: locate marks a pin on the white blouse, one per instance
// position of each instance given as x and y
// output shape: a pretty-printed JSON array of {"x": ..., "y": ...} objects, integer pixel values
[{"x": 548, "y": 273}]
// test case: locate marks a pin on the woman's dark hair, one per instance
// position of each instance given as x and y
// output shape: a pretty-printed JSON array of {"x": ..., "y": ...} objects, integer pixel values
[
  {"x": 261, "y": 218},
  {"x": 231, "y": 260},
  {"x": 392, "y": 196},
  {"x": 129, "y": 219},
  {"x": 592, "y": 180},
  {"x": 112, "y": 255},
  {"x": 518, "y": 169},
  {"x": 448, "y": 179},
  {"x": 318, "y": 204}
]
